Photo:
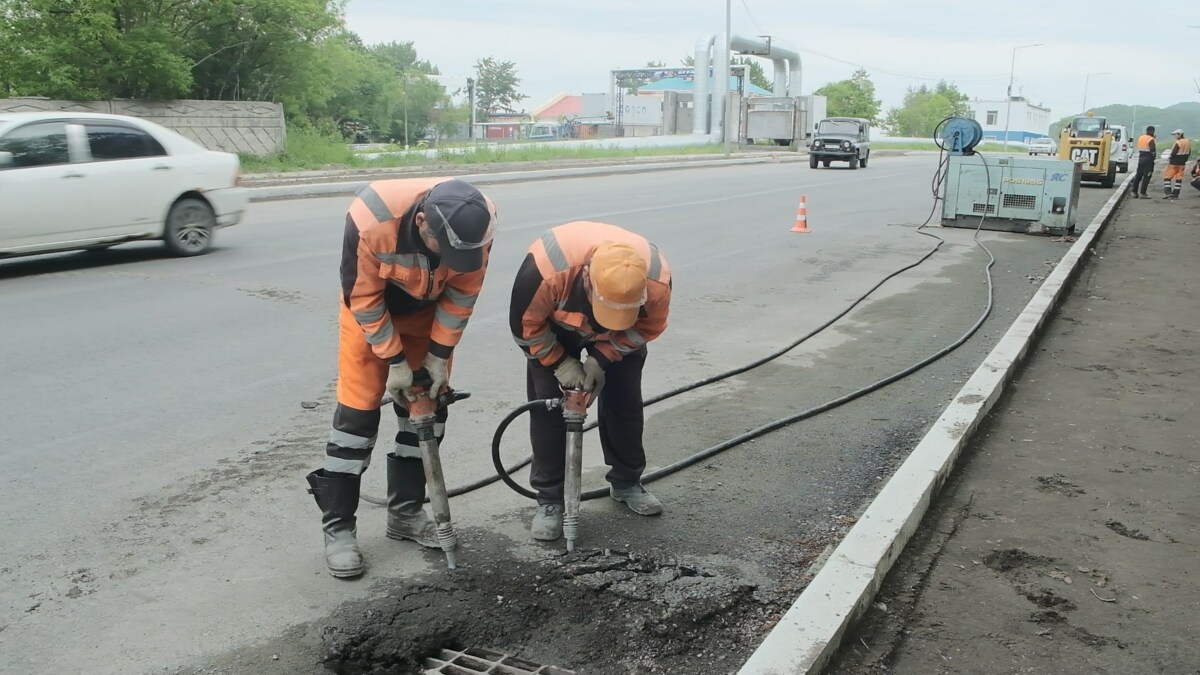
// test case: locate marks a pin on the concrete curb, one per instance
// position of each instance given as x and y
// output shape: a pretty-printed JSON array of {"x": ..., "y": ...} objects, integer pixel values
[
  {"x": 347, "y": 188},
  {"x": 366, "y": 173},
  {"x": 810, "y": 632}
]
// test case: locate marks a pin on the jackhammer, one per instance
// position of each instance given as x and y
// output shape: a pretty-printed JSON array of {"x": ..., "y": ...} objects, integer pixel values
[
  {"x": 421, "y": 413},
  {"x": 574, "y": 404}
]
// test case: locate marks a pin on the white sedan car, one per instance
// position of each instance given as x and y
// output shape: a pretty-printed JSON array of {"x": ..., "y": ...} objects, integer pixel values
[
  {"x": 1042, "y": 146},
  {"x": 88, "y": 181}
]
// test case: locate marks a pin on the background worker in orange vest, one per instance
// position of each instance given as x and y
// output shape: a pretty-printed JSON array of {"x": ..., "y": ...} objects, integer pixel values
[
  {"x": 413, "y": 261},
  {"x": 1147, "y": 153},
  {"x": 1176, "y": 163},
  {"x": 597, "y": 288}
]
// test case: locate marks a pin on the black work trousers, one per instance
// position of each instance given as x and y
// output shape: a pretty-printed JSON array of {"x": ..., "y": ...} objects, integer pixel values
[
  {"x": 621, "y": 421},
  {"x": 1141, "y": 179}
]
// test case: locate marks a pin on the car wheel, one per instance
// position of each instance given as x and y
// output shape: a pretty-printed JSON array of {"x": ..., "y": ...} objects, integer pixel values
[
  {"x": 812, "y": 161},
  {"x": 853, "y": 162},
  {"x": 190, "y": 225},
  {"x": 863, "y": 162}
]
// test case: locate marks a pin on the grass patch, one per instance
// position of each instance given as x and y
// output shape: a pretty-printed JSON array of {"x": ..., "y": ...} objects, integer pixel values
[{"x": 309, "y": 149}]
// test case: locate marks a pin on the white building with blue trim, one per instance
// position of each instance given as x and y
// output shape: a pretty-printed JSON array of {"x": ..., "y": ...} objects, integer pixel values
[{"x": 1028, "y": 120}]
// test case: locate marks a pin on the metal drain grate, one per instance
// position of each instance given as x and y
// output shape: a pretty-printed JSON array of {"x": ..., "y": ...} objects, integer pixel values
[{"x": 478, "y": 661}]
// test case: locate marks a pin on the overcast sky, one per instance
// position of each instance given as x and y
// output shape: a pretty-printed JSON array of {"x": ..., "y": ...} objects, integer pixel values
[{"x": 564, "y": 46}]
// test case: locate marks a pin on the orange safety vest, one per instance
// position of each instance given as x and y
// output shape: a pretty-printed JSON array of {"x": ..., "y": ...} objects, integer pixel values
[
  {"x": 1180, "y": 152},
  {"x": 1143, "y": 143},
  {"x": 387, "y": 270},
  {"x": 549, "y": 294}
]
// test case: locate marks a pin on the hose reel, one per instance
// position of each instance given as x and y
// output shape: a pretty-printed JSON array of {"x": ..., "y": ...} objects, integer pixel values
[{"x": 958, "y": 135}]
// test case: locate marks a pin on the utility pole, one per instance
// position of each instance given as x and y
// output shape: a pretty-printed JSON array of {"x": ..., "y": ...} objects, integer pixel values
[
  {"x": 1086, "y": 81},
  {"x": 471, "y": 98},
  {"x": 404, "y": 87},
  {"x": 1008, "y": 103},
  {"x": 728, "y": 59}
]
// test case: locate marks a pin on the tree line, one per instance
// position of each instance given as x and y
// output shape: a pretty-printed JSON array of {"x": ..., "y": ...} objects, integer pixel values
[
  {"x": 295, "y": 52},
  {"x": 301, "y": 54},
  {"x": 923, "y": 107}
]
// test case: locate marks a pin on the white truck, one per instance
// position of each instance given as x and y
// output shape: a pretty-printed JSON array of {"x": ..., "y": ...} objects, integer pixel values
[{"x": 1121, "y": 148}]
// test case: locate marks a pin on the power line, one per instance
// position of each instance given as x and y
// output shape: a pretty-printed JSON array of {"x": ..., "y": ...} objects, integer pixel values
[{"x": 752, "y": 19}]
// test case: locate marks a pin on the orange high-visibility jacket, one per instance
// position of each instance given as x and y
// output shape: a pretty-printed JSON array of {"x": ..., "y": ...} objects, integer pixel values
[
  {"x": 1145, "y": 143},
  {"x": 1180, "y": 152},
  {"x": 387, "y": 270},
  {"x": 549, "y": 294}
]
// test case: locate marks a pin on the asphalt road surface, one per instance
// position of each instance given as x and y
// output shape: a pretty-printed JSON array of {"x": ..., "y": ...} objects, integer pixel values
[{"x": 155, "y": 442}]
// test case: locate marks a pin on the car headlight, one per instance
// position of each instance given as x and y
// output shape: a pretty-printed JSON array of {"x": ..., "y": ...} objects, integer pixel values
[
  {"x": 817, "y": 144},
  {"x": 845, "y": 145}
]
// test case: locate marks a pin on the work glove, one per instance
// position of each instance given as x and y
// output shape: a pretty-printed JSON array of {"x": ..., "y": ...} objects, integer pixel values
[
  {"x": 399, "y": 382},
  {"x": 570, "y": 373},
  {"x": 436, "y": 367},
  {"x": 593, "y": 376}
]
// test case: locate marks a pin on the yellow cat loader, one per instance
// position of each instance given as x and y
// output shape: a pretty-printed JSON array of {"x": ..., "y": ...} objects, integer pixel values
[{"x": 1088, "y": 141}]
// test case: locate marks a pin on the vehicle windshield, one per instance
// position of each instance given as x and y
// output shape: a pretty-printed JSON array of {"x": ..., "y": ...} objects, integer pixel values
[
  {"x": 838, "y": 127},
  {"x": 1087, "y": 126}
]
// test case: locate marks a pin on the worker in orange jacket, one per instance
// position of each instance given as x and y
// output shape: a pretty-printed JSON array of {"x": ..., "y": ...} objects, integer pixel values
[
  {"x": 592, "y": 287},
  {"x": 414, "y": 256},
  {"x": 1176, "y": 164},
  {"x": 1147, "y": 153}
]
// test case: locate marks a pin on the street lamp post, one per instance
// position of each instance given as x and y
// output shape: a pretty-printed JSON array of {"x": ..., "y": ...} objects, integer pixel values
[
  {"x": 1008, "y": 103},
  {"x": 1086, "y": 80},
  {"x": 728, "y": 58},
  {"x": 404, "y": 88}
]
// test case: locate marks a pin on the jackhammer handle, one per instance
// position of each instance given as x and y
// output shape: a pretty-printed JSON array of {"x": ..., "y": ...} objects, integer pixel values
[
  {"x": 446, "y": 396},
  {"x": 422, "y": 379}
]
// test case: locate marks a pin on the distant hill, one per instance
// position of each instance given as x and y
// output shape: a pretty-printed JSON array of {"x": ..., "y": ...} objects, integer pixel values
[
  {"x": 1192, "y": 106},
  {"x": 1184, "y": 116}
]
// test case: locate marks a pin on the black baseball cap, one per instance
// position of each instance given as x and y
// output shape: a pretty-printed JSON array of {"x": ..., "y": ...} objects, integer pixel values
[{"x": 460, "y": 217}]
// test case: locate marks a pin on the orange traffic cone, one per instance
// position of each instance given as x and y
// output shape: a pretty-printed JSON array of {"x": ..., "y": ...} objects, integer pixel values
[{"x": 802, "y": 216}]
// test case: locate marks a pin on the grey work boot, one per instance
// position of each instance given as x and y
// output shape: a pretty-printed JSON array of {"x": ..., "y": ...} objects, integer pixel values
[
  {"x": 337, "y": 497},
  {"x": 406, "y": 492},
  {"x": 637, "y": 499},
  {"x": 547, "y": 522}
]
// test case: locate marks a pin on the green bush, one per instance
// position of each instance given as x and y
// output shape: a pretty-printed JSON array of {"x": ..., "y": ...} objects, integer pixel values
[{"x": 309, "y": 146}]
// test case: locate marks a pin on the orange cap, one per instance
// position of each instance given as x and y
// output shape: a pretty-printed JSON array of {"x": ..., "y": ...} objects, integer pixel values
[{"x": 618, "y": 276}]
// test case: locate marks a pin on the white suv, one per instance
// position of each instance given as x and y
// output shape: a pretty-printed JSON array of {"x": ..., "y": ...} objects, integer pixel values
[
  {"x": 1121, "y": 148},
  {"x": 87, "y": 181}
]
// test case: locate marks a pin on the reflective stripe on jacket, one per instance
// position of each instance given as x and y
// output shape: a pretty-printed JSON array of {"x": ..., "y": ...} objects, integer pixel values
[
  {"x": 1180, "y": 152},
  {"x": 386, "y": 269},
  {"x": 549, "y": 294}
]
